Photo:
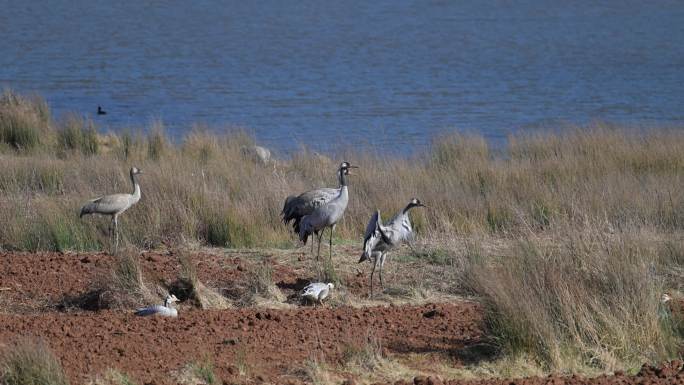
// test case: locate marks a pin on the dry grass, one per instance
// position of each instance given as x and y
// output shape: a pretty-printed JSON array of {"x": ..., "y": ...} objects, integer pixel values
[
  {"x": 198, "y": 373},
  {"x": 581, "y": 301},
  {"x": 112, "y": 377},
  {"x": 261, "y": 290},
  {"x": 203, "y": 296},
  {"x": 125, "y": 287},
  {"x": 30, "y": 363},
  {"x": 204, "y": 190}
]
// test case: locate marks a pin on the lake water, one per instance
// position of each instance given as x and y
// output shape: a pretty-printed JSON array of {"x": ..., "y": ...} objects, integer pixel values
[{"x": 347, "y": 73}]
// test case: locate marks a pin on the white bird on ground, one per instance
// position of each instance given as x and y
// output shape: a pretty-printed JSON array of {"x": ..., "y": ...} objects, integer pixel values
[
  {"x": 317, "y": 291},
  {"x": 297, "y": 207},
  {"x": 114, "y": 205},
  {"x": 328, "y": 214},
  {"x": 380, "y": 239},
  {"x": 166, "y": 310}
]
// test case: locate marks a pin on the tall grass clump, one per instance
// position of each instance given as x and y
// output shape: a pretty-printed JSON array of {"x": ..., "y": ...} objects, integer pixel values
[
  {"x": 30, "y": 362},
  {"x": 23, "y": 121},
  {"x": 78, "y": 135},
  {"x": 125, "y": 286},
  {"x": 585, "y": 301},
  {"x": 203, "y": 296}
]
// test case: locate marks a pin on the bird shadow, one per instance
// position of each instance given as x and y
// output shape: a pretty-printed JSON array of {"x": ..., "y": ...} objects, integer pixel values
[
  {"x": 91, "y": 300},
  {"x": 297, "y": 285},
  {"x": 465, "y": 351}
]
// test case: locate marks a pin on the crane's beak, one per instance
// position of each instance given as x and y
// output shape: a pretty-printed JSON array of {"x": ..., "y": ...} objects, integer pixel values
[{"x": 348, "y": 172}]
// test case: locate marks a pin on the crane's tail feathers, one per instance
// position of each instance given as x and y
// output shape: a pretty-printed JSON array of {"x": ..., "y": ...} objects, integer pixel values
[{"x": 364, "y": 257}]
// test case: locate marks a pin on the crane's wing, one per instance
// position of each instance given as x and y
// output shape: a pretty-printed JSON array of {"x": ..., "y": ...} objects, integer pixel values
[
  {"x": 107, "y": 204},
  {"x": 306, "y": 203},
  {"x": 296, "y": 207},
  {"x": 372, "y": 226},
  {"x": 372, "y": 236}
]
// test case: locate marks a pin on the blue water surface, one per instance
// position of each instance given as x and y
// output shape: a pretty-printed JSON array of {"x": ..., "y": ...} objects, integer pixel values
[{"x": 391, "y": 75}]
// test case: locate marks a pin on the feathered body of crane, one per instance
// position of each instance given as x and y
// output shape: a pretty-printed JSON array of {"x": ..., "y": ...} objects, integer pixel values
[
  {"x": 380, "y": 239},
  {"x": 318, "y": 209},
  {"x": 114, "y": 204},
  {"x": 166, "y": 310}
]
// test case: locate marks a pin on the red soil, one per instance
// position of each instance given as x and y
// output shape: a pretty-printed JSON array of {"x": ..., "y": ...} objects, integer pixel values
[{"x": 270, "y": 345}]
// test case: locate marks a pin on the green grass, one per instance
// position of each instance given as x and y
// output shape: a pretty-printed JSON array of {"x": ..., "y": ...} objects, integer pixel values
[{"x": 204, "y": 370}]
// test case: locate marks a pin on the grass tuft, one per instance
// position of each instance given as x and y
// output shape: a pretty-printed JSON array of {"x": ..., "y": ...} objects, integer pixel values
[
  {"x": 23, "y": 121},
  {"x": 125, "y": 287},
  {"x": 587, "y": 303},
  {"x": 205, "y": 297},
  {"x": 78, "y": 135},
  {"x": 204, "y": 370},
  {"x": 30, "y": 363}
]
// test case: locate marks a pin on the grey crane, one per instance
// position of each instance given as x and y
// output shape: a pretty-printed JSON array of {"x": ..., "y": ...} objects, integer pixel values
[
  {"x": 317, "y": 291},
  {"x": 166, "y": 310},
  {"x": 327, "y": 214},
  {"x": 380, "y": 239},
  {"x": 114, "y": 204},
  {"x": 297, "y": 207}
]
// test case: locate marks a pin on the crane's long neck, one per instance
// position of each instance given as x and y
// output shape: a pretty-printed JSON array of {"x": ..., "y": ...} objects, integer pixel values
[
  {"x": 341, "y": 177},
  {"x": 344, "y": 193},
  {"x": 407, "y": 208},
  {"x": 136, "y": 187}
]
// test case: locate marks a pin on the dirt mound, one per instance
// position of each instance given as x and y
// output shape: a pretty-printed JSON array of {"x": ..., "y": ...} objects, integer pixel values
[{"x": 266, "y": 343}]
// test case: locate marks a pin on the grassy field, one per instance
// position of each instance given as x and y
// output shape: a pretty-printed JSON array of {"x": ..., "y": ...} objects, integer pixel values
[{"x": 567, "y": 238}]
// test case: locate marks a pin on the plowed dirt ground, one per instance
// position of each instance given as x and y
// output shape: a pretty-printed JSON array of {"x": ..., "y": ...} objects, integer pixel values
[{"x": 43, "y": 295}]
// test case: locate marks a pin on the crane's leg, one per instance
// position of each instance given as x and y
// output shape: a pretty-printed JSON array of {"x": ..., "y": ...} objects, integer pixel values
[
  {"x": 116, "y": 230},
  {"x": 331, "y": 232},
  {"x": 382, "y": 262},
  {"x": 110, "y": 232},
  {"x": 320, "y": 236},
  {"x": 371, "y": 278}
]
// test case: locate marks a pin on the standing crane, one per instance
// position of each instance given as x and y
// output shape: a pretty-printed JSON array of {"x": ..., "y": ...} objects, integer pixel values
[
  {"x": 114, "y": 205},
  {"x": 297, "y": 207},
  {"x": 380, "y": 239}
]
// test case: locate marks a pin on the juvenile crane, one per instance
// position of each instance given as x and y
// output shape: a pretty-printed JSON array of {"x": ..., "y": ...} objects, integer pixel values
[
  {"x": 380, "y": 239},
  {"x": 114, "y": 205},
  {"x": 327, "y": 214},
  {"x": 297, "y": 207},
  {"x": 166, "y": 310}
]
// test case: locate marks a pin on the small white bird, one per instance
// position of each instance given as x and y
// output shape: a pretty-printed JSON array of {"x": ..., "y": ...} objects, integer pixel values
[
  {"x": 317, "y": 291},
  {"x": 166, "y": 310}
]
